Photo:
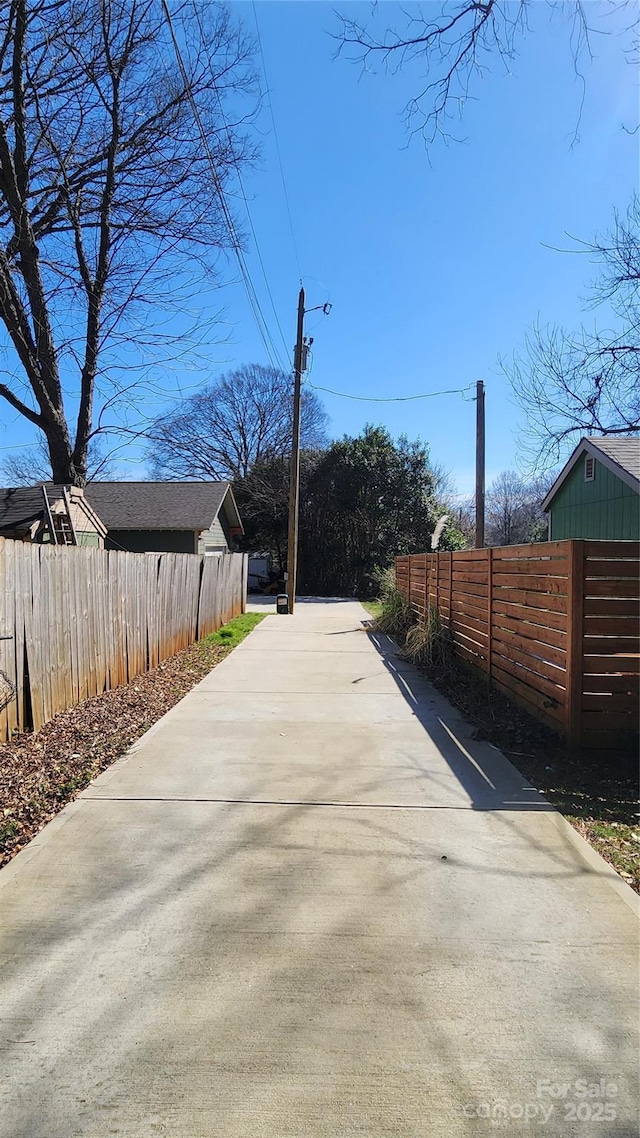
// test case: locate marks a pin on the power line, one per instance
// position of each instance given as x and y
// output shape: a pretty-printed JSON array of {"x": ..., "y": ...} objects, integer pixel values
[
  {"x": 275, "y": 136},
  {"x": 394, "y": 398},
  {"x": 285, "y": 367},
  {"x": 252, "y": 295},
  {"x": 246, "y": 204}
]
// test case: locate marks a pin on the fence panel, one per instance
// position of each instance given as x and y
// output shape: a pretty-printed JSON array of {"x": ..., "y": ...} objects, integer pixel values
[
  {"x": 470, "y": 605},
  {"x": 610, "y": 705},
  {"x": 80, "y": 621},
  {"x": 8, "y": 646},
  {"x": 529, "y": 651},
  {"x": 554, "y": 625}
]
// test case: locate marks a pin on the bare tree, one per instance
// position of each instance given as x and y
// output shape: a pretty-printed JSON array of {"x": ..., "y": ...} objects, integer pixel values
[
  {"x": 32, "y": 465},
  {"x": 241, "y": 419},
  {"x": 453, "y": 44},
  {"x": 444, "y": 489},
  {"x": 513, "y": 509},
  {"x": 588, "y": 382},
  {"x": 463, "y": 513},
  {"x": 106, "y": 196}
]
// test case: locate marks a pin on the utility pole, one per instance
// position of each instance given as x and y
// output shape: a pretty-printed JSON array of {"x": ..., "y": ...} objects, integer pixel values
[
  {"x": 294, "y": 485},
  {"x": 479, "y": 464}
]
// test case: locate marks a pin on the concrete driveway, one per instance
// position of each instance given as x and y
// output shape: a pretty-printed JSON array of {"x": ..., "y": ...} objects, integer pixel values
[{"x": 308, "y": 904}]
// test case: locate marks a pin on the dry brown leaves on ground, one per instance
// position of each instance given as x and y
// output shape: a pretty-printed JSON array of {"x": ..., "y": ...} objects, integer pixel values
[{"x": 40, "y": 773}]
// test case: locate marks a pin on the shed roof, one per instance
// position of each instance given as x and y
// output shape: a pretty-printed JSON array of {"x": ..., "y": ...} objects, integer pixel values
[
  {"x": 624, "y": 450},
  {"x": 162, "y": 505},
  {"x": 22, "y": 505},
  {"x": 619, "y": 453}
]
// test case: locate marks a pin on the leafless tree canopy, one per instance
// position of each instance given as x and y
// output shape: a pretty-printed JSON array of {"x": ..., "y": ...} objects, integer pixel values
[
  {"x": 32, "y": 465},
  {"x": 238, "y": 421},
  {"x": 588, "y": 382},
  {"x": 106, "y": 196},
  {"x": 451, "y": 45},
  {"x": 513, "y": 509}
]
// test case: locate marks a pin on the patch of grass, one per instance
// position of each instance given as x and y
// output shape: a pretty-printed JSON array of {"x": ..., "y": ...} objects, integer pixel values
[
  {"x": 618, "y": 843},
  {"x": 66, "y": 790},
  {"x": 8, "y": 830},
  {"x": 373, "y": 607},
  {"x": 231, "y": 634}
]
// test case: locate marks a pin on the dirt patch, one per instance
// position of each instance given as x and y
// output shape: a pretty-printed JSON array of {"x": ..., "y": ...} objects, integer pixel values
[{"x": 40, "y": 773}]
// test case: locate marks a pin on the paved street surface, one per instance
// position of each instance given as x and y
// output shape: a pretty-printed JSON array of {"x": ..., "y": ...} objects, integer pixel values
[{"x": 308, "y": 904}]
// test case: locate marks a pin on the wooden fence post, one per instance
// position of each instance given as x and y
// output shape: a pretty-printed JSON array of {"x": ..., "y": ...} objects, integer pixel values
[
  {"x": 245, "y": 582},
  {"x": 574, "y": 665},
  {"x": 489, "y": 609},
  {"x": 450, "y": 591}
]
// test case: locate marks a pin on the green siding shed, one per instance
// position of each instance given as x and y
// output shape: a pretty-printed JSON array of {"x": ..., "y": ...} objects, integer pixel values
[{"x": 597, "y": 494}]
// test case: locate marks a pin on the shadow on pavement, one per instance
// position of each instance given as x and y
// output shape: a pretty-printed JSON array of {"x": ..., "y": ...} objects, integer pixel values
[{"x": 490, "y": 780}]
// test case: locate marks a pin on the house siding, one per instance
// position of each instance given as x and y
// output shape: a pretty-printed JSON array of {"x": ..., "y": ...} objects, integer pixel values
[
  {"x": 604, "y": 509},
  {"x": 83, "y": 523},
  {"x": 213, "y": 540},
  {"x": 84, "y": 537},
  {"x": 152, "y": 540},
  {"x": 89, "y": 538}
]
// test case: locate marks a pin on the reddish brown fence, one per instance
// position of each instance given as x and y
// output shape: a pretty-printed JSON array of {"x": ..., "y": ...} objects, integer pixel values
[
  {"x": 75, "y": 622},
  {"x": 554, "y": 625}
]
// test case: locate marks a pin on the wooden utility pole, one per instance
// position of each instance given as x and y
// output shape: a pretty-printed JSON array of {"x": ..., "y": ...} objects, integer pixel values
[
  {"x": 479, "y": 464},
  {"x": 294, "y": 484}
]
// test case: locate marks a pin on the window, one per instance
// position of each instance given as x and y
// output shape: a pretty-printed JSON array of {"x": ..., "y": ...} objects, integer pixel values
[{"x": 589, "y": 468}]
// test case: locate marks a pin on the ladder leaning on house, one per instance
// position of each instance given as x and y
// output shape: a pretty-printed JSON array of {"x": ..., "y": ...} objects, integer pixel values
[{"x": 60, "y": 522}]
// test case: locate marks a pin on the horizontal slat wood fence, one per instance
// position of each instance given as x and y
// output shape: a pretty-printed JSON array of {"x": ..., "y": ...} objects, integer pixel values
[
  {"x": 554, "y": 625},
  {"x": 80, "y": 621}
]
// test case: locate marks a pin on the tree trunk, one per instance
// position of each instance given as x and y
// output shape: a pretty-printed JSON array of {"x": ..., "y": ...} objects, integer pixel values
[{"x": 63, "y": 468}]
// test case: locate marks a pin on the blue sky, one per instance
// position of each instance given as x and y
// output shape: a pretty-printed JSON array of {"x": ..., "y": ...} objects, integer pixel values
[{"x": 434, "y": 268}]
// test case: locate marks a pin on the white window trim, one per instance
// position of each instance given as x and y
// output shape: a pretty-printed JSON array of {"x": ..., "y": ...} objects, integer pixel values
[{"x": 589, "y": 459}]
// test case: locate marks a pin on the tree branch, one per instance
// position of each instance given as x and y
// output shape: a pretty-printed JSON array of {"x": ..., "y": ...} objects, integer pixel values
[{"x": 18, "y": 405}]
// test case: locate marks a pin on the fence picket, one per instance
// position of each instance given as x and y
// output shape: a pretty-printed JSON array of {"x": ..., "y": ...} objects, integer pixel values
[
  {"x": 86, "y": 620},
  {"x": 6, "y": 647},
  {"x": 18, "y": 635}
]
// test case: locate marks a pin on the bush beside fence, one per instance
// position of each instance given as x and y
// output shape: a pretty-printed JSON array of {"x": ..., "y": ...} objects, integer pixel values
[
  {"x": 554, "y": 625},
  {"x": 81, "y": 621}
]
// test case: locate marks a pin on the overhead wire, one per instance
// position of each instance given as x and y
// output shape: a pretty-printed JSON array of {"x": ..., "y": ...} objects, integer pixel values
[
  {"x": 392, "y": 398},
  {"x": 277, "y": 141},
  {"x": 252, "y": 296},
  {"x": 246, "y": 205}
]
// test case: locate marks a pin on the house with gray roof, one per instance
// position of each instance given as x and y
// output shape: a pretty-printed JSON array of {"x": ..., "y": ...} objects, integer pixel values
[
  {"x": 167, "y": 517},
  {"x": 597, "y": 493}
]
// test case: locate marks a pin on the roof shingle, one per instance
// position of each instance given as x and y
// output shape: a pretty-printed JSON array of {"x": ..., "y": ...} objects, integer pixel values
[
  {"x": 623, "y": 449},
  {"x": 22, "y": 505},
  {"x": 157, "y": 505}
]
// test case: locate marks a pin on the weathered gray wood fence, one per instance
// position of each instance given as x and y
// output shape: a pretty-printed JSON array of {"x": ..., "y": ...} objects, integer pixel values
[{"x": 81, "y": 621}]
